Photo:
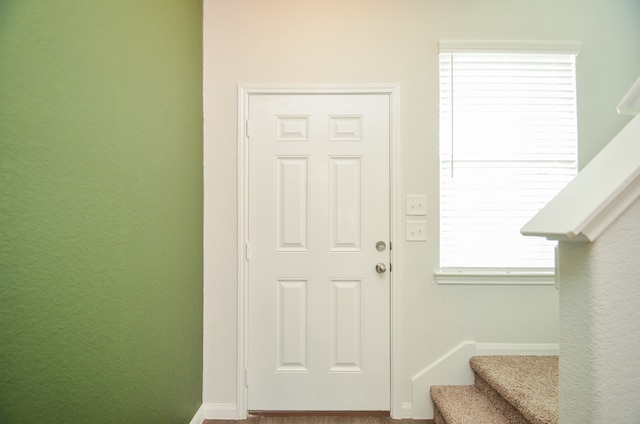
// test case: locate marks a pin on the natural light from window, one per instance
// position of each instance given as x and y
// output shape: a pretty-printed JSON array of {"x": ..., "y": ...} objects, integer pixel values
[{"x": 508, "y": 144}]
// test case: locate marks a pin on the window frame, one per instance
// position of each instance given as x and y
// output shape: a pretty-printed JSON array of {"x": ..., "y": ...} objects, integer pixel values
[{"x": 500, "y": 276}]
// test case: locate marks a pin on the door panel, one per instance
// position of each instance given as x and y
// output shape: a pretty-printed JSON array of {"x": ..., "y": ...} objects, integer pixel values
[{"x": 318, "y": 311}]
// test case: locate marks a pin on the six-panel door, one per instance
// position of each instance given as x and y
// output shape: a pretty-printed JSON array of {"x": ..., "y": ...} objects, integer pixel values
[{"x": 318, "y": 310}]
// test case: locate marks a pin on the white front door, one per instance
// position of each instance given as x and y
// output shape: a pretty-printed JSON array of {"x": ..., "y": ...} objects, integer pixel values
[{"x": 318, "y": 309}]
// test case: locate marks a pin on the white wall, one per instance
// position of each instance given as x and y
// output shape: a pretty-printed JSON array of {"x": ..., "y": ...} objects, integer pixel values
[
  {"x": 600, "y": 335},
  {"x": 394, "y": 41}
]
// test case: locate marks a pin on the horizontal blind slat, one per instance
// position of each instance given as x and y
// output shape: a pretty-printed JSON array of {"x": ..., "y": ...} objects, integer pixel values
[{"x": 513, "y": 120}]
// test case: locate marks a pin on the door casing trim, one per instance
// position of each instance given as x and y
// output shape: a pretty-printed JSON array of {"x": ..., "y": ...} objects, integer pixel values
[{"x": 245, "y": 91}]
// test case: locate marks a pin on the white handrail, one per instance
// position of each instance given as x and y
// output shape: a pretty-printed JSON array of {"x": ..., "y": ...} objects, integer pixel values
[{"x": 597, "y": 195}]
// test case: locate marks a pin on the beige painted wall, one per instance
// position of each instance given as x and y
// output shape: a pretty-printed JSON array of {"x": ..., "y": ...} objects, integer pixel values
[{"x": 394, "y": 41}]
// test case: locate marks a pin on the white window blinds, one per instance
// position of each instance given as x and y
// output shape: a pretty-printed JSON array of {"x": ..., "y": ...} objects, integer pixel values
[{"x": 508, "y": 144}]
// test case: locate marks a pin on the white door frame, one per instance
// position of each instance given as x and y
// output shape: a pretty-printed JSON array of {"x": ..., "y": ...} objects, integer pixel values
[{"x": 245, "y": 91}]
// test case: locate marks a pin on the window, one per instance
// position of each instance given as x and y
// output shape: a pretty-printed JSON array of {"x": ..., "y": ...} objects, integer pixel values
[{"x": 508, "y": 144}]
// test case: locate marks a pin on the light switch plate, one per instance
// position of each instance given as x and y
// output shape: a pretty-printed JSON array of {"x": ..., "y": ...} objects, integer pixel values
[
  {"x": 416, "y": 230},
  {"x": 416, "y": 205}
]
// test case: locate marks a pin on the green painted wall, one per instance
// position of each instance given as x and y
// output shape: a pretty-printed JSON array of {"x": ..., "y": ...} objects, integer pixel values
[{"x": 100, "y": 211}]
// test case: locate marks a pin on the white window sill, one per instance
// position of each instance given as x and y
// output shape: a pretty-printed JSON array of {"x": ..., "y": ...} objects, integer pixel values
[{"x": 472, "y": 276}]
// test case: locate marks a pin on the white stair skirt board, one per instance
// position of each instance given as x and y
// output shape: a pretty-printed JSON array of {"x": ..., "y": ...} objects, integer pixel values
[
  {"x": 452, "y": 368},
  {"x": 221, "y": 411},
  {"x": 406, "y": 410},
  {"x": 198, "y": 418}
]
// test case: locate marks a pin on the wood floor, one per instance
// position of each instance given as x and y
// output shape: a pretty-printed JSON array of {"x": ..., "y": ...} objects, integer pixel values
[{"x": 318, "y": 420}]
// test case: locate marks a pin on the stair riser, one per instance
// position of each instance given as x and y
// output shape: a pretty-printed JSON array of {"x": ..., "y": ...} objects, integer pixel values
[
  {"x": 528, "y": 383},
  {"x": 499, "y": 402},
  {"x": 437, "y": 416},
  {"x": 507, "y": 390}
]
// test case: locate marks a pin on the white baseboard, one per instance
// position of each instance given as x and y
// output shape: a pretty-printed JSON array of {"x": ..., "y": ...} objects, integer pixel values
[
  {"x": 406, "y": 410},
  {"x": 453, "y": 369},
  {"x": 221, "y": 411},
  {"x": 517, "y": 349},
  {"x": 198, "y": 418}
]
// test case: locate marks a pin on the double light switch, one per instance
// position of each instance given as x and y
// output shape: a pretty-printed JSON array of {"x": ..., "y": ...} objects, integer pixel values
[{"x": 416, "y": 206}]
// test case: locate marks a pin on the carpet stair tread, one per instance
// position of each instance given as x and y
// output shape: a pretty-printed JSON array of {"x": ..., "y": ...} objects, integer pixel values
[
  {"x": 507, "y": 390},
  {"x": 529, "y": 383},
  {"x": 465, "y": 405}
]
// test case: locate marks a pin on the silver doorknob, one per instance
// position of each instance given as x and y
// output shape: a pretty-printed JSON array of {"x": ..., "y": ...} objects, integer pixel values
[{"x": 381, "y": 268}]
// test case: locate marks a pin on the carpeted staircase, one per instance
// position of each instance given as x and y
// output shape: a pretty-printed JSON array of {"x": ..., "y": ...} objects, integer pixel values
[{"x": 507, "y": 390}]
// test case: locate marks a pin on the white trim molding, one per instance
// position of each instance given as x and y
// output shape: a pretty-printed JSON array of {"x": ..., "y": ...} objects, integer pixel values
[
  {"x": 484, "y": 349},
  {"x": 219, "y": 411},
  {"x": 597, "y": 196},
  {"x": 244, "y": 93},
  {"x": 453, "y": 368},
  {"x": 198, "y": 418},
  {"x": 504, "y": 276},
  {"x": 407, "y": 409},
  {"x": 630, "y": 103},
  {"x": 510, "y": 46}
]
